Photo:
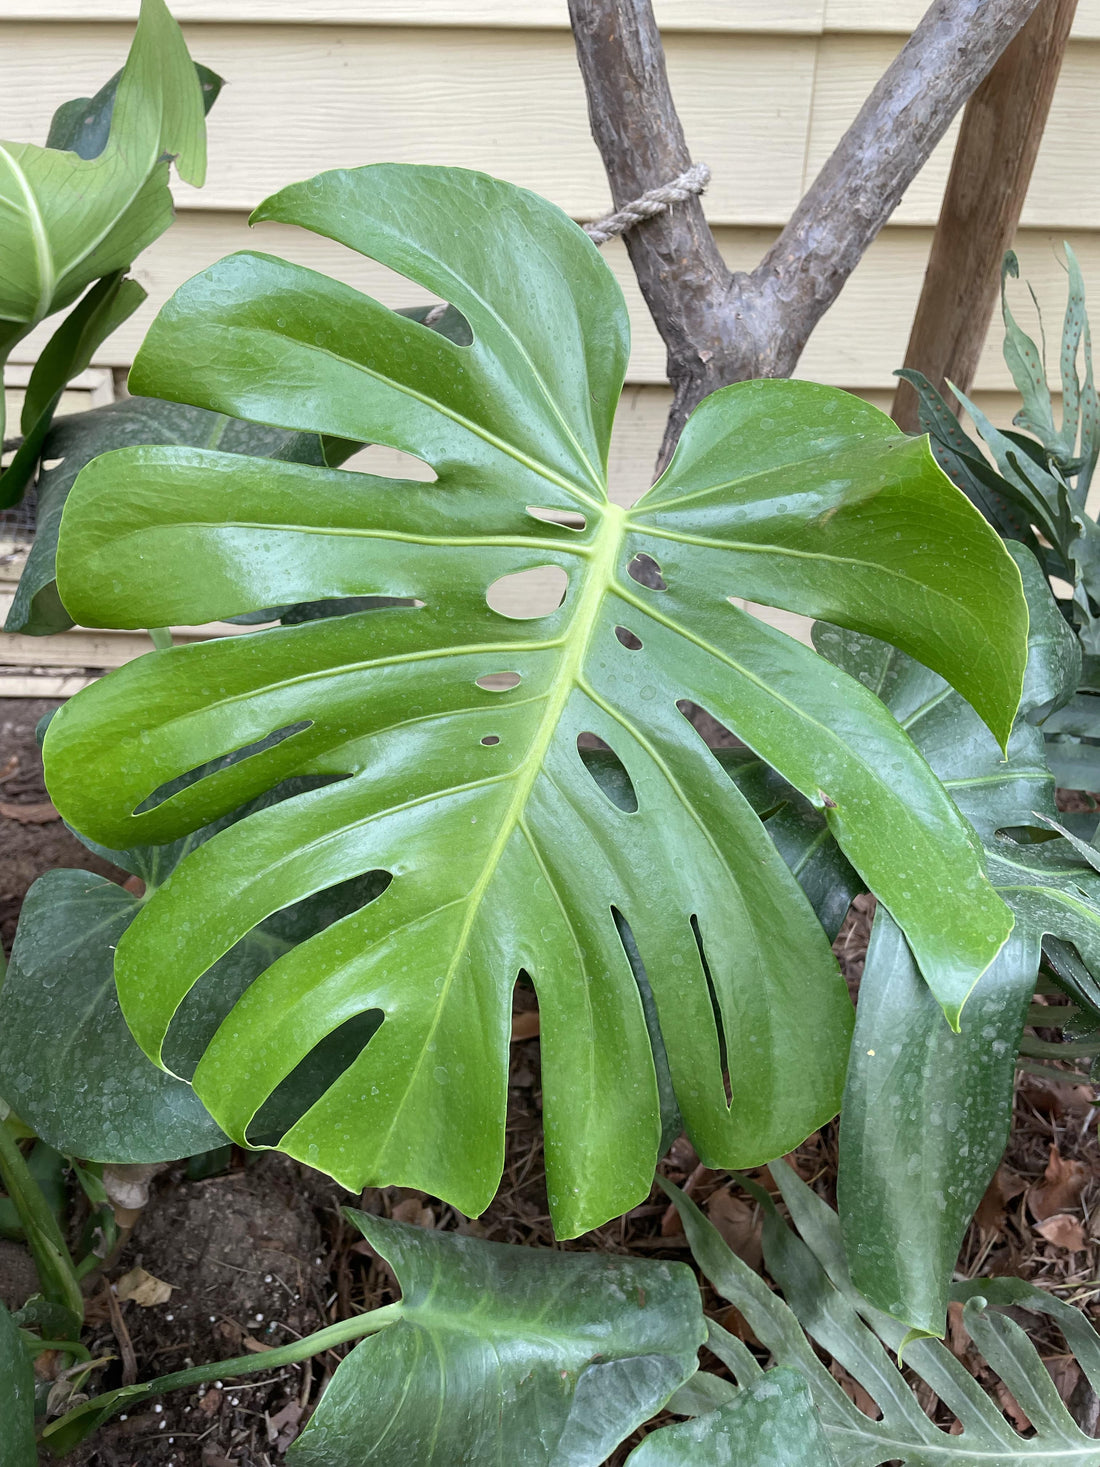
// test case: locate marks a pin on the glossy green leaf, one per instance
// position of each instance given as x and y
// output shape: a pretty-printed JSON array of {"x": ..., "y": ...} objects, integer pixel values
[
  {"x": 69, "y": 220},
  {"x": 809, "y": 1267},
  {"x": 925, "y": 1118},
  {"x": 17, "y": 1445},
  {"x": 506, "y": 853},
  {"x": 770, "y": 1424},
  {"x": 507, "y": 1357}
]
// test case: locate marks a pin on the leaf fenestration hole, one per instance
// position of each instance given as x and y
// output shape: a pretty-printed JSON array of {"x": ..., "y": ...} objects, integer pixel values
[
  {"x": 715, "y": 1006},
  {"x": 317, "y": 1072},
  {"x": 497, "y": 682},
  {"x": 211, "y": 999},
  {"x": 608, "y": 772},
  {"x": 567, "y": 518},
  {"x": 526, "y": 594},
  {"x": 181, "y": 782},
  {"x": 645, "y": 570},
  {"x": 491, "y": 739},
  {"x": 629, "y": 639}
]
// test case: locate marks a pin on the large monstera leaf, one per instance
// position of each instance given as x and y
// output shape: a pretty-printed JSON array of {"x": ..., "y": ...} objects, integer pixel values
[{"x": 505, "y": 852}]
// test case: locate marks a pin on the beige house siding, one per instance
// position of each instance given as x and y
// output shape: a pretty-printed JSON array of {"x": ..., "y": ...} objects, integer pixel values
[{"x": 765, "y": 89}]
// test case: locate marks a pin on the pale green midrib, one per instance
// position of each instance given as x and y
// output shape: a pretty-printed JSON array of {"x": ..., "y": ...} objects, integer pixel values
[
  {"x": 829, "y": 734},
  {"x": 305, "y": 848},
  {"x": 510, "y": 450},
  {"x": 847, "y": 561},
  {"x": 44, "y": 261},
  {"x": 346, "y": 668},
  {"x": 598, "y": 578},
  {"x": 1088, "y": 1455},
  {"x": 338, "y": 532},
  {"x": 540, "y": 381},
  {"x": 926, "y": 707}
]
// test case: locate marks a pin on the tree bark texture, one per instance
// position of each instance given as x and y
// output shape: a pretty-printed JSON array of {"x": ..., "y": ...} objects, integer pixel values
[
  {"x": 1002, "y": 128},
  {"x": 719, "y": 326}
]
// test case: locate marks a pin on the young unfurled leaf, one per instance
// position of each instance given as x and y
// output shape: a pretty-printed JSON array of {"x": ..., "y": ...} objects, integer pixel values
[
  {"x": 67, "y": 219},
  {"x": 453, "y": 729}
]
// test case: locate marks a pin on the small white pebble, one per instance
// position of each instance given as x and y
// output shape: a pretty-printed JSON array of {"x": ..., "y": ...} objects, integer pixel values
[
  {"x": 163, "y": 1424},
  {"x": 259, "y": 1317},
  {"x": 213, "y": 1317},
  {"x": 123, "y": 1417},
  {"x": 234, "y": 1400},
  {"x": 169, "y": 1316},
  {"x": 158, "y": 1408},
  {"x": 218, "y": 1384},
  {"x": 268, "y": 1279}
]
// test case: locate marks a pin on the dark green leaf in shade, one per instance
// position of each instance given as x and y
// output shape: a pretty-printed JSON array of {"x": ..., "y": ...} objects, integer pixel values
[
  {"x": 17, "y": 1445},
  {"x": 822, "y": 1305},
  {"x": 926, "y": 1112},
  {"x": 506, "y": 1357},
  {"x": 506, "y": 853}
]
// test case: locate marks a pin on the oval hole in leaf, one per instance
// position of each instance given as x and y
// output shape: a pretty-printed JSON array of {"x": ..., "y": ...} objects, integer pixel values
[
  {"x": 714, "y": 734},
  {"x": 568, "y": 519},
  {"x": 525, "y": 594},
  {"x": 312, "y": 1076},
  {"x": 629, "y": 639},
  {"x": 182, "y": 782},
  {"x": 715, "y": 1007},
  {"x": 497, "y": 682},
  {"x": 645, "y": 570},
  {"x": 379, "y": 461},
  {"x": 491, "y": 739},
  {"x": 608, "y": 772}
]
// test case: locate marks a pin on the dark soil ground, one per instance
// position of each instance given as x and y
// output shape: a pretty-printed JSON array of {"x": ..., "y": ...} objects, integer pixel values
[{"x": 258, "y": 1254}]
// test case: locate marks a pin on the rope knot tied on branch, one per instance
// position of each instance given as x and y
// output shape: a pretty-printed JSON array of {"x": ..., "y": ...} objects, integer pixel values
[{"x": 654, "y": 201}]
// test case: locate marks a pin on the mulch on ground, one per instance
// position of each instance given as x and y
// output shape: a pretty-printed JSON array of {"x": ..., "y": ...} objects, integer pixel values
[{"x": 258, "y": 1253}]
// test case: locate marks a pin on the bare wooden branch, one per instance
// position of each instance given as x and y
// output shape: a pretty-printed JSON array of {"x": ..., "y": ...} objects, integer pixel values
[
  {"x": 721, "y": 327},
  {"x": 994, "y": 156}
]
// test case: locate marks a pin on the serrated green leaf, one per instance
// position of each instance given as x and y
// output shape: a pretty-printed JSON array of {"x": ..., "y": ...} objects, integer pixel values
[
  {"x": 505, "y": 852},
  {"x": 770, "y": 1424},
  {"x": 504, "y": 1356},
  {"x": 820, "y": 1299},
  {"x": 17, "y": 1444}
]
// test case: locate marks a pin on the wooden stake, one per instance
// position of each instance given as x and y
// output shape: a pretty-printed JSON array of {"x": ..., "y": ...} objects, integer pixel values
[{"x": 999, "y": 138}]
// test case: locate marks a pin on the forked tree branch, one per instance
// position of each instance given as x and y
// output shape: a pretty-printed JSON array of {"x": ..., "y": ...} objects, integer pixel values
[{"x": 722, "y": 327}]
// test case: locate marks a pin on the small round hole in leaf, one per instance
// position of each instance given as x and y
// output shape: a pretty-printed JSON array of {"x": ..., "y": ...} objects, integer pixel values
[
  {"x": 526, "y": 594},
  {"x": 645, "y": 570},
  {"x": 491, "y": 739},
  {"x": 629, "y": 639},
  {"x": 498, "y": 682}
]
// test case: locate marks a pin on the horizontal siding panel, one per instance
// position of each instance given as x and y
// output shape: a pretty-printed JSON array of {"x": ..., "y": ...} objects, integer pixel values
[
  {"x": 511, "y": 102},
  {"x": 901, "y": 16},
  {"x": 803, "y": 17},
  {"x": 302, "y": 99},
  {"x": 799, "y": 17},
  {"x": 1065, "y": 187},
  {"x": 859, "y": 342}
]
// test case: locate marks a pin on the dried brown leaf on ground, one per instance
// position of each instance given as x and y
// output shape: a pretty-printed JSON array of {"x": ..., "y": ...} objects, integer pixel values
[
  {"x": 38, "y": 814},
  {"x": 1006, "y": 1185},
  {"x": 1061, "y": 1187},
  {"x": 1063, "y": 1231},
  {"x": 740, "y": 1222},
  {"x": 143, "y": 1288},
  {"x": 855, "y": 1392}
]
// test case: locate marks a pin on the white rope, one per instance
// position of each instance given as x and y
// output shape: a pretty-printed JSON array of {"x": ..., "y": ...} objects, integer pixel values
[{"x": 653, "y": 201}]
